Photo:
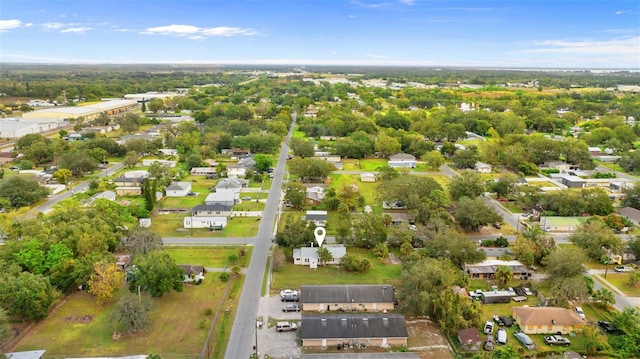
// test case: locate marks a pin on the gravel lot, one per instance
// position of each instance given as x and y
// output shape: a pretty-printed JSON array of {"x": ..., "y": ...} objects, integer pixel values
[{"x": 277, "y": 344}]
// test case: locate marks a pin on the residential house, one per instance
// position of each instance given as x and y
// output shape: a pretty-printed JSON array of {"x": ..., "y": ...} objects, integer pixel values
[
  {"x": 371, "y": 330},
  {"x": 108, "y": 195},
  {"x": 123, "y": 261},
  {"x": 32, "y": 354},
  {"x": 192, "y": 274},
  {"x": 367, "y": 177},
  {"x": 308, "y": 256},
  {"x": 487, "y": 269},
  {"x": 178, "y": 189},
  {"x": 136, "y": 174},
  {"x": 470, "y": 339},
  {"x": 402, "y": 160},
  {"x": 482, "y": 167},
  {"x": 223, "y": 197},
  {"x": 128, "y": 182},
  {"x": 236, "y": 171},
  {"x": 209, "y": 172},
  {"x": 574, "y": 181},
  {"x": 547, "y": 320},
  {"x": 166, "y": 163},
  {"x": 169, "y": 151},
  {"x": 398, "y": 218},
  {"x": 350, "y": 297},
  {"x": 232, "y": 183},
  {"x": 212, "y": 210},
  {"x": 235, "y": 151},
  {"x": 205, "y": 222},
  {"x": 393, "y": 205},
  {"x": 317, "y": 217},
  {"x": 128, "y": 190},
  {"x": 631, "y": 214},
  {"x": 557, "y": 165},
  {"x": 315, "y": 195}
]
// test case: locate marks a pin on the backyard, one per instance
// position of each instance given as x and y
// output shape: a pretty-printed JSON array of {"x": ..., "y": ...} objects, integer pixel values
[
  {"x": 209, "y": 257},
  {"x": 171, "y": 225}
]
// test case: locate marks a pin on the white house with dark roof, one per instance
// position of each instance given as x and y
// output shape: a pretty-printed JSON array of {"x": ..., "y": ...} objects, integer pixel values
[
  {"x": 374, "y": 330},
  {"x": 482, "y": 167},
  {"x": 308, "y": 256},
  {"x": 213, "y": 222},
  {"x": 178, "y": 189},
  {"x": 317, "y": 217},
  {"x": 212, "y": 210},
  {"x": 401, "y": 160},
  {"x": 347, "y": 297}
]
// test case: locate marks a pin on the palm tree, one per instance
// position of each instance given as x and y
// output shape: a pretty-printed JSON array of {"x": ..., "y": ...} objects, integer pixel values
[{"x": 503, "y": 275}]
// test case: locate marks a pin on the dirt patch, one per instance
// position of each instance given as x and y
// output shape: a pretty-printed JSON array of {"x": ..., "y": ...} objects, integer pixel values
[
  {"x": 426, "y": 340},
  {"x": 83, "y": 319}
]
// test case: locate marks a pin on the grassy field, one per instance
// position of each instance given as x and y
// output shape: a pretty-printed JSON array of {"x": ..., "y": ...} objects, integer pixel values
[
  {"x": 293, "y": 276},
  {"x": 170, "y": 225},
  {"x": 212, "y": 257},
  {"x": 174, "y": 329},
  {"x": 619, "y": 280}
]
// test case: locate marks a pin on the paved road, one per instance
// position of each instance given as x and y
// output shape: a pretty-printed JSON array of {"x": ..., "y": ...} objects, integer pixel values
[
  {"x": 622, "y": 301},
  {"x": 240, "y": 344},
  {"x": 80, "y": 187}
]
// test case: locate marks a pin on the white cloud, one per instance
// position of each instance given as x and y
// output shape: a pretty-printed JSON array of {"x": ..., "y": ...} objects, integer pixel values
[
  {"x": 29, "y": 24},
  {"x": 407, "y": 2},
  {"x": 627, "y": 46},
  {"x": 198, "y": 33},
  {"x": 623, "y": 12},
  {"x": 52, "y": 25},
  {"x": 6, "y": 25},
  {"x": 77, "y": 30}
]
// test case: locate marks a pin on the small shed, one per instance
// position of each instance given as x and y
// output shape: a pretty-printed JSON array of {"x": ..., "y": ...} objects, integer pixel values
[
  {"x": 491, "y": 297},
  {"x": 470, "y": 339}
]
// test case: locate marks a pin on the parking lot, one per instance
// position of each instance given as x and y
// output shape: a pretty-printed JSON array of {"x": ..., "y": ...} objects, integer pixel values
[{"x": 270, "y": 342}]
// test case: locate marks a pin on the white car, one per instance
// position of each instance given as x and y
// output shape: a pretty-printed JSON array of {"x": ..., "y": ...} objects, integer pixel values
[
  {"x": 413, "y": 227},
  {"x": 288, "y": 292},
  {"x": 622, "y": 269},
  {"x": 580, "y": 312}
]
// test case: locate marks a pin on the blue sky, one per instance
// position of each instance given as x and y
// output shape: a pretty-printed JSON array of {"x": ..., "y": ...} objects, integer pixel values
[{"x": 480, "y": 33}]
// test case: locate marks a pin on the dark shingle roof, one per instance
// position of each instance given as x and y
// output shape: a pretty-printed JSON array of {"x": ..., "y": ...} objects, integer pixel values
[
  {"x": 212, "y": 207},
  {"x": 359, "y": 293},
  {"x": 351, "y": 326}
]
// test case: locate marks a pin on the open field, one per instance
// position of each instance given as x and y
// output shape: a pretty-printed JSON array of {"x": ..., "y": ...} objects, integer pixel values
[
  {"x": 211, "y": 257},
  {"x": 293, "y": 276},
  {"x": 80, "y": 327},
  {"x": 170, "y": 225},
  {"x": 619, "y": 280}
]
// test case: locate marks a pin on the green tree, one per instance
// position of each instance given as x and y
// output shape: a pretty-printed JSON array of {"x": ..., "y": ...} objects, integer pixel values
[
  {"x": 131, "y": 159},
  {"x": 468, "y": 184},
  {"x": 471, "y": 214},
  {"x": 504, "y": 186},
  {"x": 62, "y": 175},
  {"x": 597, "y": 240},
  {"x": 296, "y": 232},
  {"x": 26, "y": 295},
  {"x": 78, "y": 162},
  {"x": 194, "y": 160},
  {"x": 433, "y": 159},
  {"x": 387, "y": 145},
  {"x": 143, "y": 240},
  {"x": 503, "y": 275},
  {"x": 301, "y": 147},
  {"x": 566, "y": 280},
  {"x": 454, "y": 246},
  {"x": 296, "y": 194},
  {"x": 324, "y": 255},
  {"x": 157, "y": 273},
  {"x": 310, "y": 169},
  {"x": 104, "y": 281},
  {"x": 368, "y": 231},
  {"x": 627, "y": 345},
  {"x": 594, "y": 340},
  {"x": 386, "y": 173},
  {"x": 131, "y": 313},
  {"x": 22, "y": 191},
  {"x": 381, "y": 250},
  {"x": 631, "y": 197},
  {"x": 263, "y": 162},
  {"x": 466, "y": 158},
  {"x": 5, "y": 326},
  {"x": 604, "y": 297}
]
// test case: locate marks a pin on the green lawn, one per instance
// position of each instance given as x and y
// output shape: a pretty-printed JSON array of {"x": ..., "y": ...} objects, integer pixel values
[
  {"x": 186, "y": 202},
  {"x": 293, "y": 276},
  {"x": 619, "y": 280},
  {"x": 170, "y": 225},
  {"x": 371, "y": 164},
  {"x": 297, "y": 133},
  {"x": 249, "y": 206},
  {"x": 175, "y": 325},
  {"x": 212, "y": 257}
]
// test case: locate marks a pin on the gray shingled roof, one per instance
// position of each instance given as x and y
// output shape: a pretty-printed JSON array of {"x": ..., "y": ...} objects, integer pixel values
[
  {"x": 352, "y": 326},
  {"x": 212, "y": 207},
  {"x": 354, "y": 293}
]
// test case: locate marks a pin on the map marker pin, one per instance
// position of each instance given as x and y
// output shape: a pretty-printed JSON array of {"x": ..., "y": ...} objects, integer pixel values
[{"x": 320, "y": 233}]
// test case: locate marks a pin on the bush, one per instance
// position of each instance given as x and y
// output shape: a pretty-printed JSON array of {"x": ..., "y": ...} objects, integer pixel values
[
  {"x": 488, "y": 243},
  {"x": 233, "y": 258},
  {"x": 208, "y": 311},
  {"x": 355, "y": 264},
  {"x": 502, "y": 242},
  {"x": 225, "y": 276},
  {"x": 202, "y": 324}
]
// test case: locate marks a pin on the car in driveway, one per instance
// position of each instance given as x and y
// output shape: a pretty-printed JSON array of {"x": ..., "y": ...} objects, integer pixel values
[
  {"x": 488, "y": 328},
  {"x": 527, "y": 291},
  {"x": 501, "y": 336},
  {"x": 289, "y": 298},
  {"x": 286, "y": 326},
  {"x": 607, "y": 326},
  {"x": 506, "y": 321},
  {"x": 293, "y": 307},
  {"x": 580, "y": 312},
  {"x": 622, "y": 269},
  {"x": 557, "y": 340},
  {"x": 288, "y": 292},
  {"x": 525, "y": 340}
]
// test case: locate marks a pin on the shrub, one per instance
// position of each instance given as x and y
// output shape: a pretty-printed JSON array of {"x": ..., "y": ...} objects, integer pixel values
[
  {"x": 225, "y": 276},
  {"x": 208, "y": 311},
  {"x": 233, "y": 258},
  {"x": 502, "y": 242}
]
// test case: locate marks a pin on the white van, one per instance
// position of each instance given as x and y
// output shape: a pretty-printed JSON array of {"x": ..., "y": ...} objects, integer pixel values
[
  {"x": 501, "y": 337},
  {"x": 286, "y": 326}
]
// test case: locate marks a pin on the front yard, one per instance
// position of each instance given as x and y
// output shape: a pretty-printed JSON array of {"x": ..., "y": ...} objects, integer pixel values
[{"x": 171, "y": 225}]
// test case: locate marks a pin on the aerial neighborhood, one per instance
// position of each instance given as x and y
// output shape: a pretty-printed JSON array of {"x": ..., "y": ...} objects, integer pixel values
[{"x": 307, "y": 213}]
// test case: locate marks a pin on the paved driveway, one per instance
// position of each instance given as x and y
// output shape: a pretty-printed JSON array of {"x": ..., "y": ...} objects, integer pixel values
[{"x": 270, "y": 342}]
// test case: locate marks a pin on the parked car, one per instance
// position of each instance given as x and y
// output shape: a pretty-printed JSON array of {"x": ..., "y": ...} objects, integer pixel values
[
  {"x": 288, "y": 292},
  {"x": 506, "y": 321},
  {"x": 519, "y": 291},
  {"x": 606, "y": 326},
  {"x": 489, "y": 345},
  {"x": 413, "y": 227},
  {"x": 501, "y": 336},
  {"x": 527, "y": 291},
  {"x": 289, "y": 298},
  {"x": 580, "y": 312},
  {"x": 246, "y": 198},
  {"x": 286, "y": 326},
  {"x": 557, "y": 340},
  {"x": 191, "y": 194},
  {"x": 291, "y": 307},
  {"x": 497, "y": 225},
  {"x": 488, "y": 328},
  {"x": 525, "y": 340},
  {"x": 519, "y": 298},
  {"x": 497, "y": 320},
  {"x": 622, "y": 269},
  {"x": 511, "y": 291}
]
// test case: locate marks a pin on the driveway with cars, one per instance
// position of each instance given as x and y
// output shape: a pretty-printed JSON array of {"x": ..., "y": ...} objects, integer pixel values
[{"x": 270, "y": 342}]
